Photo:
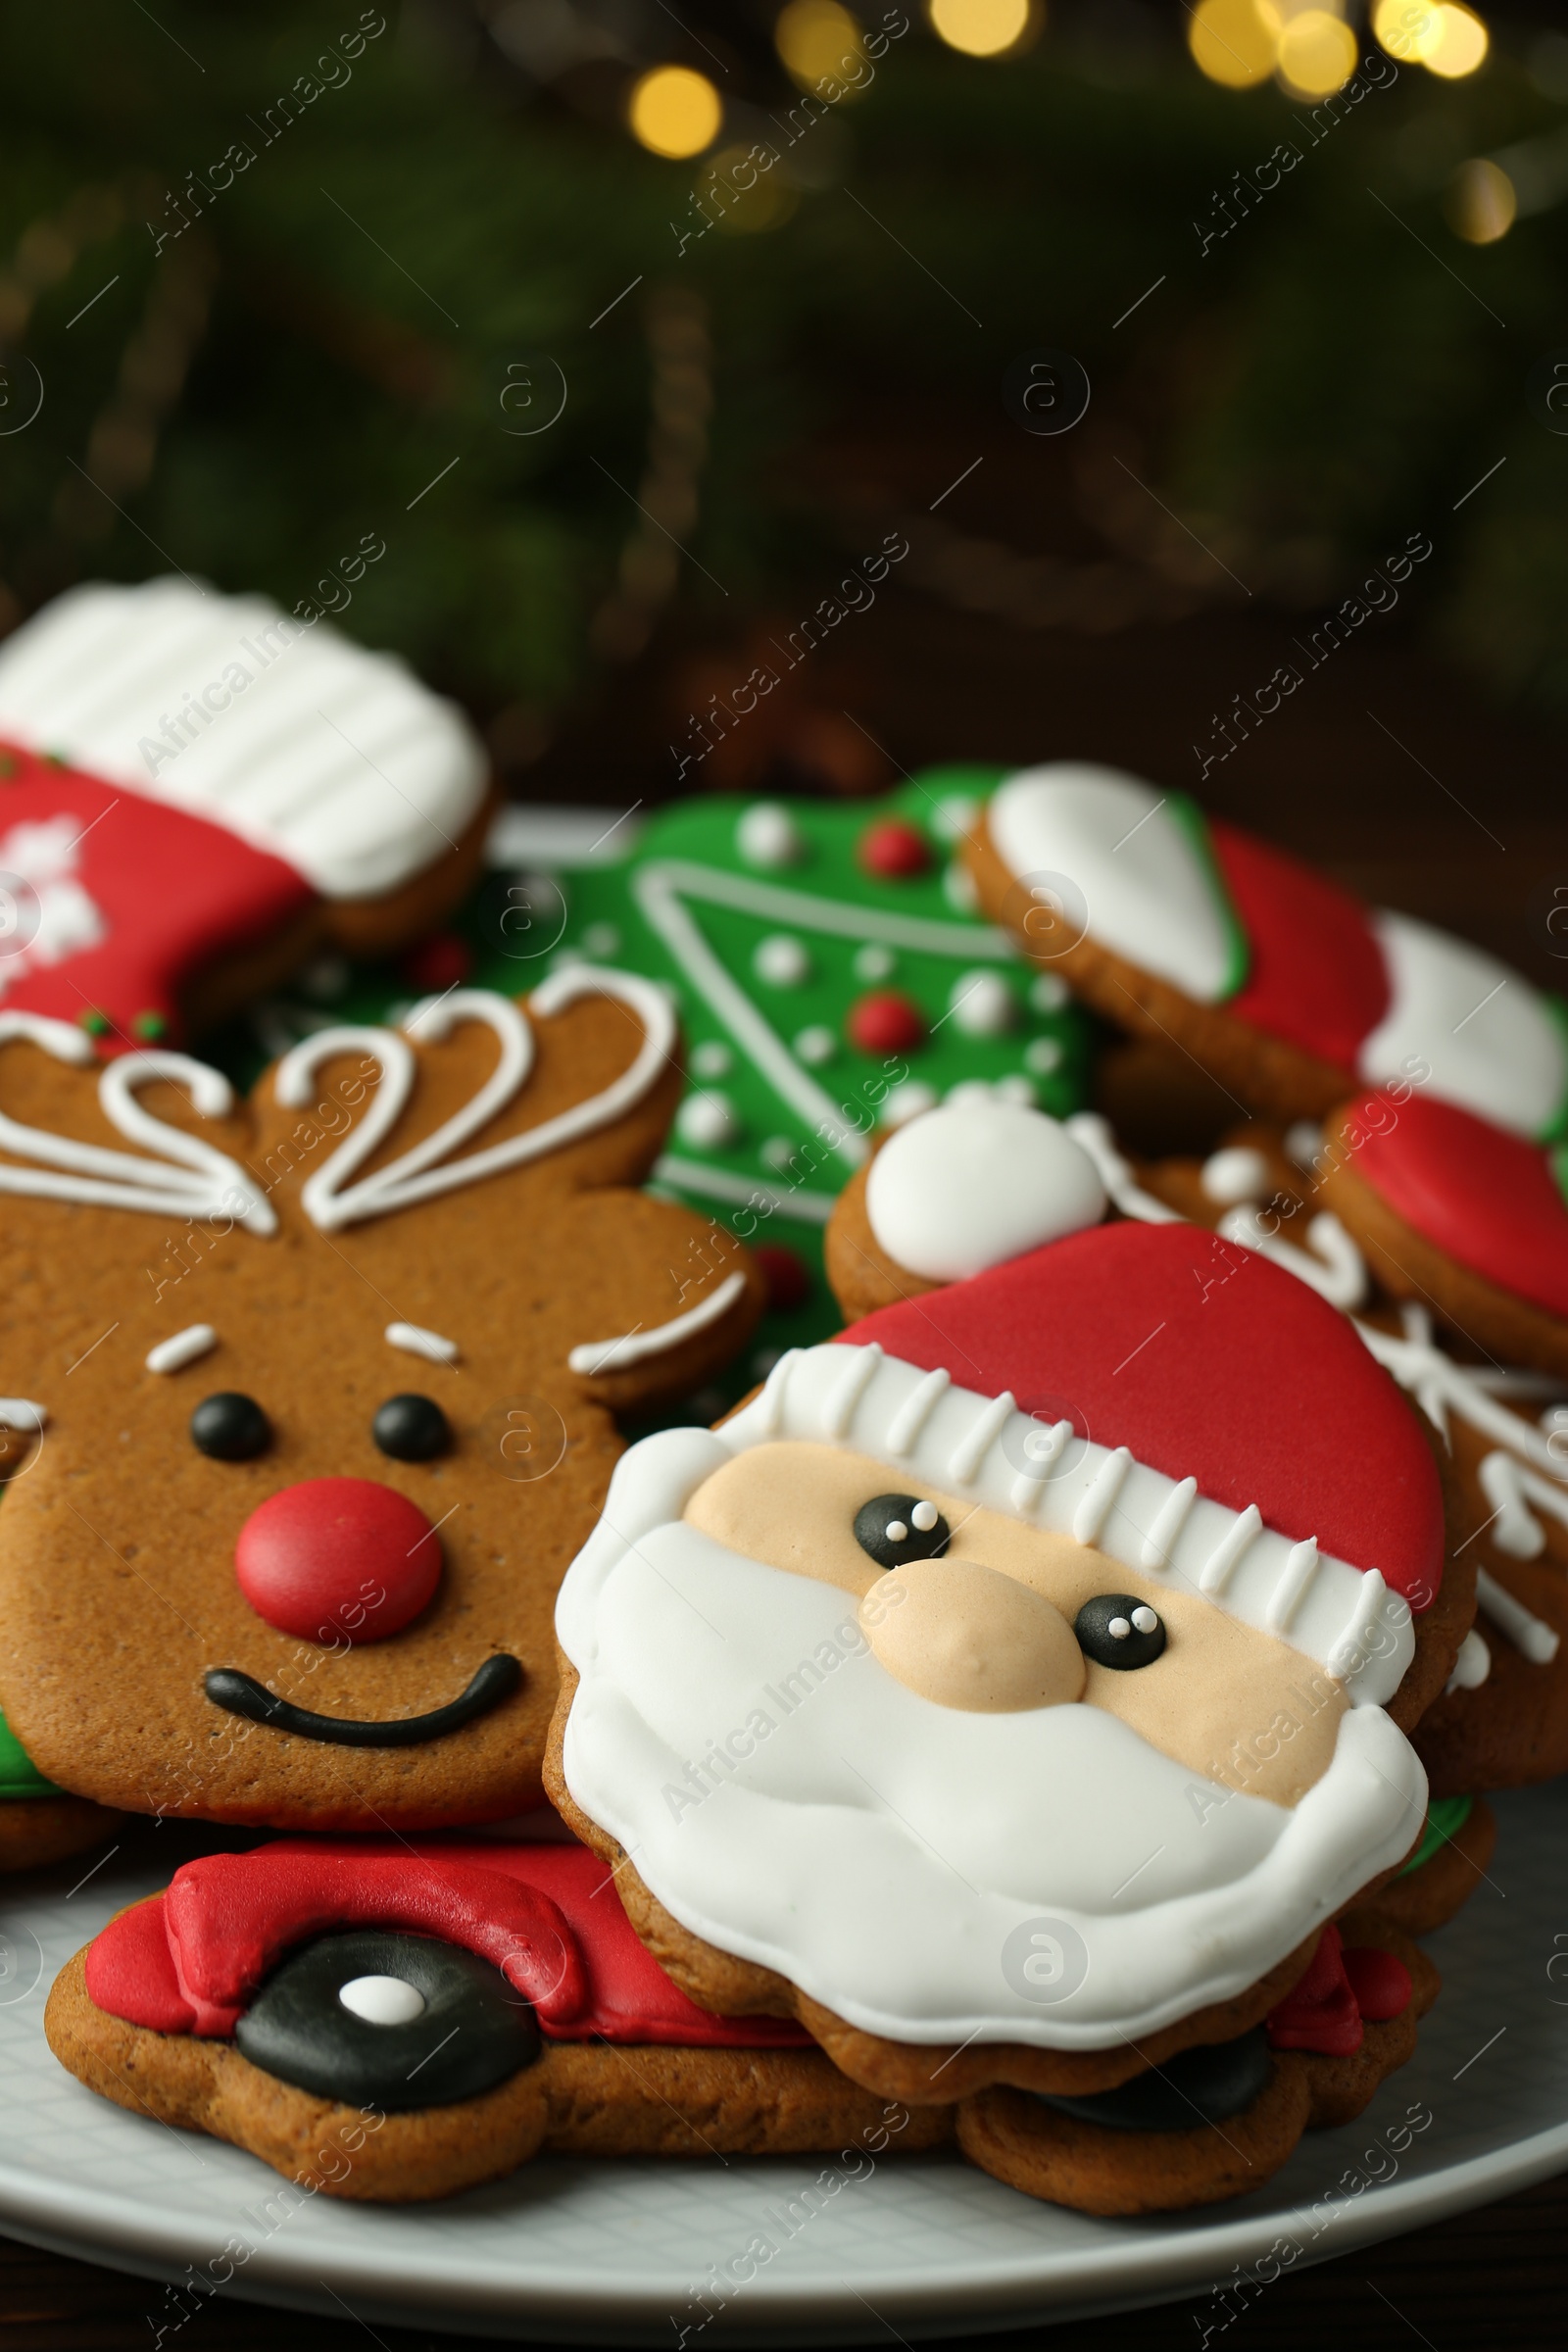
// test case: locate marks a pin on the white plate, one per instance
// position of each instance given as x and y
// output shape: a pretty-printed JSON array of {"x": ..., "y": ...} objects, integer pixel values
[{"x": 617, "y": 2252}]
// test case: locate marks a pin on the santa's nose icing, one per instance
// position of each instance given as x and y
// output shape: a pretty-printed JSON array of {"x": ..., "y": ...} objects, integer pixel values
[
  {"x": 338, "y": 1558},
  {"x": 967, "y": 1635}
]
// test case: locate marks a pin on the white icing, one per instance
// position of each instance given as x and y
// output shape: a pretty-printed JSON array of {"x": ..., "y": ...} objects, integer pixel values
[
  {"x": 1047, "y": 992},
  {"x": 742, "y": 1192},
  {"x": 780, "y": 961},
  {"x": 333, "y": 759},
  {"x": 66, "y": 918},
  {"x": 1487, "y": 1037},
  {"x": 23, "y": 1416},
  {"x": 415, "y": 1340},
  {"x": 1237, "y": 1174},
  {"x": 1530, "y": 1634},
  {"x": 1440, "y": 1387},
  {"x": 982, "y": 1004},
  {"x": 974, "y": 1183},
  {"x": 191, "y": 1179},
  {"x": 874, "y": 963},
  {"x": 1296, "y": 1582},
  {"x": 959, "y": 889},
  {"x": 184, "y": 1347},
  {"x": 1018, "y": 1090},
  {"x": 817, "y": 1045},
  {"x": 428, "y": 1168},
  {"x": 1511, "y": 1487},
  {"x": 1471, "y": 1666},
  {"x": 636, "y": 1346},
  {"x": 907, "y": 1102},
  {"x": 766, "y": 835},
  {"x": 707, "y": 1121},
  {"x": 778, "y": 1154},
  {"x": 713, "y": 1059},
  {"x": 822, "y": 1820},
  {"x": 382, "y": 2000},
  {"x": 1332, "y": 1264},
  {"x": 1093, "y": 1135},
  {"x": 1303, "y": 1141},
  {"x": 1147, "y": 893},
  {"x": 1042, "y": 1054},
  {"x": 661, "y": 889}
]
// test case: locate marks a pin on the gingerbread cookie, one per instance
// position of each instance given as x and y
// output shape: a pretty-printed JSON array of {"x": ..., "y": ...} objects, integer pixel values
[
  {"x": 1115, "y": 1564},
  {"x": 392, "y": 2022},
  {"x": 317, "y": 1396},
  {"x": 197, "y": 792},
  {"x": 1275, "y": 980}
]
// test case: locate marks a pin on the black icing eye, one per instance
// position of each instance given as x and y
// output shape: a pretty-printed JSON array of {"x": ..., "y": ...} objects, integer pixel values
[
  {"x": 895, "y": 1527},
  {"x": 230, "y": 1428},
  {"x": 1117, "y": 1629},
  {"x": 373, "y": 2019},
  {"x": 411, "y": 1429}
]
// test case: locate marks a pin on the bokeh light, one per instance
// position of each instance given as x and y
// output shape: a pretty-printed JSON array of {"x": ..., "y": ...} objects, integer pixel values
[
  {"x": 1460, "y": 44},
  {"x": 1316, "y": 53},
  {"x": 983, "y": 27},
  {"x": 815, "y": 37},
  {"x": 1481, "y": 202},
  {"x": 675, "y": 112},
  {"x": 1235, "y": 43}
]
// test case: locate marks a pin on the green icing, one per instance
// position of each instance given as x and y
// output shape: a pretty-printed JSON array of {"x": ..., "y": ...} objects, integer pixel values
[
  {"x": 1555, "y": 1130},
  {"x": 1445, "y": 1818},
  {"x": 1195, "y": 825},
  {"x": 18, "y": 1775}
]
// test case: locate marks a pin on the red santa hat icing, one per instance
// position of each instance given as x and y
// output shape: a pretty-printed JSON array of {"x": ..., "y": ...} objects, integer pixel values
[
  {"x": 181, "y": 772},
  {"x": 1175, "y": 1399},
  {"x": 1228, "y": 920}
]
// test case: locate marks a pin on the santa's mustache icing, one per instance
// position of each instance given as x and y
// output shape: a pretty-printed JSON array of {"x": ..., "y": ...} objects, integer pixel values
[{"x": 1015, "y": 1667}]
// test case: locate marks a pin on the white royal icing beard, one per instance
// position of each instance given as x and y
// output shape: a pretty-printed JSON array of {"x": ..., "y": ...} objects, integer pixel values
[
  {"x": 1487, "y": 1037},
  {"x": 789, "y": 1801}
]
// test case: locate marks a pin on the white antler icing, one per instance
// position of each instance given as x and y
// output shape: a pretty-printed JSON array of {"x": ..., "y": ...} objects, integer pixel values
[
  {"x": 429, "y": 1168},
  {"x": 188, "y": 1178}
]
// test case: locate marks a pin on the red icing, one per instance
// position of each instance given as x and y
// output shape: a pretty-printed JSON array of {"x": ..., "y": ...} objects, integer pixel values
[
  {"x": 1316, "y": 975},
  {"x": 549, "y": 1915},
  {"x": 1325, "y": 2011},
  {"x": 345, "y": 1555},
  {"x": 788, "y": 1279},
  {"x": 1207, "y": 1362},
  {"x": 443, "y": 961},
  {"x": 885, "y": 1022},
  {"x": 1487, "y": 1198},
  {"x": 173, "y": 890},
  {"x": 894, "y": 850}
]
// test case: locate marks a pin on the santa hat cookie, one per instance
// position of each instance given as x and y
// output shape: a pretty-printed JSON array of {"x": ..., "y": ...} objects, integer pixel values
[
  {"x": 196, "y": 790},
  {"x": 1284, "y": 986}
]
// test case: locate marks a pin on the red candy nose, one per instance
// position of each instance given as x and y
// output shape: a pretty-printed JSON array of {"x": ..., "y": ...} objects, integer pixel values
[{"x": 338, "y": 1558}]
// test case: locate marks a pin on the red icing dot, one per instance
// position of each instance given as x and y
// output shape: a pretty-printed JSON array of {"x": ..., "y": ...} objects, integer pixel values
[
  {"x": 444, "y": 961},
  {"x": 789, "y": 1282},
  {"x": 1380, "y": 1982},
  {"x": 338, "y": 1556},
  {"x": 894, "y": 848},
  {"x": 885, "y": 1023}
]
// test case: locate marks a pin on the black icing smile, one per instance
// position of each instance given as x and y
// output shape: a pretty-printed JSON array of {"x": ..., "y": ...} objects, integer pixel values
[{"x": 242, "y": 1694}]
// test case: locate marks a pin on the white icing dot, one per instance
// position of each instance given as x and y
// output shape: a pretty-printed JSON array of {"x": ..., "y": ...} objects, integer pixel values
[
  {"x": 817, "y": 1045},
  {"x": 953, "y": 818},
  {"x": 982, "y": 1004},
  {"x": 1042, "y": 1054},
  {"x": 906, "y": 1101},
  {"x": 1119, "y": 1629},
  {"x": 925, "y": 1516},
  {"x": 382, "y": 2000},
  {"x": 602, "y": 938},
  {"x": 1303, "y": 1141},
  {"x": 713, "y": 1059},
  {"x": 1240, "y": 1173},
  {"x": 767, "y": 835},
  {"x": 958, "y": 889},
  {"x": 778, "y": 1152},
  {"x": 1047, "y": 992},
  {"x": 875, "y": 962},
  {"x": 970, "y": 1090},
  {"x": 1144, "y": 1620},
  {"x": 708, "y": 1120},
  {"x": 1018, "y": 1090},
  {"x": 781, "y": 961},
  {"x": 897, "y": 1532}
]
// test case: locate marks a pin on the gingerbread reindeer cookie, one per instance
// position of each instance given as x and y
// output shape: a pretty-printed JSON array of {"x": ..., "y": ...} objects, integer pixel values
[
  {"x": 1016, "y": 1689},
  {"x": 1279, "y": 983},
  {"x": 315, "y": 1395},
  {"x": 199, "y": 791}
]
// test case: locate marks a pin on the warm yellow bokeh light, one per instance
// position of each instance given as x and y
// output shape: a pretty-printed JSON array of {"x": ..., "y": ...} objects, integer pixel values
[
  {"x": 1406, "y": 28},
  {"x": 1480, "y": 203},
  {"x": 981, "y": 28},
  {"x": 1234, "y": 41},
  {"x": 675, "y": 111},
  {"x": 742, "y": 200},
  {"x": 815, "y": 37},
  {"x": 1460, "y": 45},
  {"x": 1316, "y": 53}
]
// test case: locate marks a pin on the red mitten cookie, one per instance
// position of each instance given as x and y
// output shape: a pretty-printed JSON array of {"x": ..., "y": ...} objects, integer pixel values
[{"x": 197, "y": 791}]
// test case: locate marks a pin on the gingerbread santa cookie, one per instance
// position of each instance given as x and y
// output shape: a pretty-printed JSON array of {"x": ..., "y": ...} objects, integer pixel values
[
  {"x": 198, "y": 791},
  {"x": 391, "y": 2021},
  {"x": 1015, "y": 1690},
  {"x": 316, "y": 1395},
  {"x": 1282, "y": 985}
]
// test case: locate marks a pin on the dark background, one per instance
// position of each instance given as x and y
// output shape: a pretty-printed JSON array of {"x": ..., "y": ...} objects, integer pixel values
[{"x": 368, "y": 329}]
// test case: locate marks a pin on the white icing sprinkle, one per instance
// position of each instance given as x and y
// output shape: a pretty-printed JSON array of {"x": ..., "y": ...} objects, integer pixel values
[
  {"x": 768, "y": 836},
  {"x": 1506, "y": 1485},
  {"x": 925, "y": 1516},
  {"x": 415, "y": 1340},
  {"x": 635, "y": 1347},
  {"x": 1169, "y": 1520},
  {"x": 817, "y": 1045},
  {"x": 713, "y": 1059},
  {"x": 972, "y": 1450},
  {"x": 896, "y": 1532},
  {"x": 382, "y": 2000},
  {"x": 781, "y": 961},
  {"x": 1094, "y": 1508},
  {"x": 174, "y": 1354},
  {"x": 1219, "y": 1567},
  {"x": 912, "y": 1416},
  {"x": 1237, "y": 1174},
  {"x": 1527, "y": 1632},
  {"x": 1471, "y": 1667},
  {"x": 875, "y": 962},
  {"x": 1144, "y": 1620},
  {"x": 982, "y": 1004},
  {"x": 23, "y": 1415}
]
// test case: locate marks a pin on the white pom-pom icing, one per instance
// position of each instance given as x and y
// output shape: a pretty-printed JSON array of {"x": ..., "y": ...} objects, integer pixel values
[{"x": 975, "y": 1183}]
